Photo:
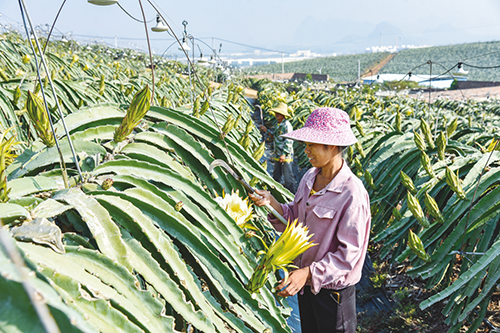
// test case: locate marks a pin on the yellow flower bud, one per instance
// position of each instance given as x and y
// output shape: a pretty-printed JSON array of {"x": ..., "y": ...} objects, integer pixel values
[
  {"x": 407, "y": 182},
  {"x": 416, "y": 210},
  {"x": 417, "y": 246},
  {"x": 433, "y": 208}
]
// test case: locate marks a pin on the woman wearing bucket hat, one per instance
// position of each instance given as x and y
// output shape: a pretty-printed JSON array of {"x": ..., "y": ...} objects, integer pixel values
[
  {"x": 335, "y": 206},
  {"x": 283, "y": 148}
]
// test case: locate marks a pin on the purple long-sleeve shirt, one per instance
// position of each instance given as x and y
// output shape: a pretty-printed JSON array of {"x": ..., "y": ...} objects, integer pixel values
[{"x": 339, "y": 217}]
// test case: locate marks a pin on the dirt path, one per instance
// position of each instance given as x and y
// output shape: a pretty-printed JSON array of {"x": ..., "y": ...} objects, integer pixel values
[{"x": 375, "y": 69}]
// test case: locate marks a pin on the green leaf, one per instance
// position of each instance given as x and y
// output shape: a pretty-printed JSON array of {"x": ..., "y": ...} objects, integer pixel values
[{"x": 31, "y": 185}]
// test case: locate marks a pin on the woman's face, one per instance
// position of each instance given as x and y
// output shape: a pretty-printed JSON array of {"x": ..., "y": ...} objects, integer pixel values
[
  {"x": 320, "y": 155},
  {"x": 279, "y": 117}
]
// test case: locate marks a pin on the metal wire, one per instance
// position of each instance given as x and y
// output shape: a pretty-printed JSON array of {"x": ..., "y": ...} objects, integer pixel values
[
  {"x": 53, "y": 25},
  {"x": 144, "y": 18},
  {"x": 150, "y": 56}
]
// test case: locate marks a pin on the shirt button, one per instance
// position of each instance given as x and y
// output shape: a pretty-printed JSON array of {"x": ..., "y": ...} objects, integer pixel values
[{"x": 307, "y": 203}]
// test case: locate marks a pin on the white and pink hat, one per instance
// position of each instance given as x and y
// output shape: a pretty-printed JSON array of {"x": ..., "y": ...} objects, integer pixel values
[{"x": 327, "y": 126}]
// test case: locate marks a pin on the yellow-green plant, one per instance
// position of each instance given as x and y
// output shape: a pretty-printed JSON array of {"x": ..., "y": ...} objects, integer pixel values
[
  {"x": 138, "y": 108},
  {"x": 454, "y": 182},
  {"x": 452, "y": 127},
  {"x": 40, "y": 119},
  {"x": 419, "y": 141},
  {"x": 360, "y": 150},
  {"x": 259, "y": 151},
  {"x": 433, "y": 208},
  {"x": 426, "y": 131},
  {"x": 6, "y": 158},
  {"x": 426, "y": 163},
  {"x": 398, "y": 122},
  {"x": 416, "y": 210},
  {"x": 280, "y": 255},
  {"x": 441, "y": 145},
  {"x": 369, "y": 179},
  {"x": 407, "y": 182},
  {"x": 417, "y": 246},
  {"x": 239, "y": 209}
]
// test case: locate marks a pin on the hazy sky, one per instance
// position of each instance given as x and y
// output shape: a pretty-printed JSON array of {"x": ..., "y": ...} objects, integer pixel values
[{"x": 318, "y": 25}]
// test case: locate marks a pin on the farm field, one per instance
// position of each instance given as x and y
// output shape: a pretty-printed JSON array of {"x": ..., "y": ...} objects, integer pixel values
[
  {"x": 344, "y": 68},
  {"x": 340, "y": 68},
  {"x": 122, "y": 225},
  {"x": 445, "y": 57}
]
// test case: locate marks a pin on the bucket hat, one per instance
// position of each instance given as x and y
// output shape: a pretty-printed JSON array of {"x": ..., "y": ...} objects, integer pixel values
[
  {"x": 281, "y": 109},
  {"x": 329, "y": 126}
]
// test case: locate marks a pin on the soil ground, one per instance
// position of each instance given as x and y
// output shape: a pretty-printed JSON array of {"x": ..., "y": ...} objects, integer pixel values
[{"x": 375, "y": 69}]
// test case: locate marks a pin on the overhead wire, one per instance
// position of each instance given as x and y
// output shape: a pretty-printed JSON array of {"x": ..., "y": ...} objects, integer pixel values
[{"x": 140, "y": 21}]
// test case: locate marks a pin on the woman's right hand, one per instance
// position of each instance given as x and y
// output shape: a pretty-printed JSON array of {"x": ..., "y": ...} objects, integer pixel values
[{"x": 263, "y": 199}]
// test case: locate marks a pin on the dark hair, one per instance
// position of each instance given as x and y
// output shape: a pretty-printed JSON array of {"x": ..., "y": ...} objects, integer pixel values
[{"x": 343, "y": 150}]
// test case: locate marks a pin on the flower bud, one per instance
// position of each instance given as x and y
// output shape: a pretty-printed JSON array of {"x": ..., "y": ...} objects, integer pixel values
[
  {"x": 452, "y": 127},
  {"x": 426, "y": 131},
  {"x": 407, "y": 182},
  {"x": 416, "y": 210},
  {"x": 196, "y": 107},
  {"x": 417, "y": 246},
  {"x": 360, "y": 129},
  {"x": 454, "y": 182},
  {"x": 26, "y": 58},
  {"x": 441, "y": 145},
  {"x": 16, "y": 95},
  {"x": 398, "y": 122},
  {"x": 426, "y": 163},
  {"x": 40, "y": 119},
  {"x": 249, "y": 127},
  {"x": 432, "y": 208},
  {"x": 137, "y": 110},
  {"x": 106, "y": 185},
  {"x": 228, "y": 125},
  {"x": 357, "y": 164},
  {"x": 204, "y": 107},
  {"x": 259, "y": 152},
  {"x": 350, "y": 153},
  {"x": 369, "y": 180},
  {"x": 102, "y": 85},
  {"x": 359, "y": 148},
  {"x": 419, "y": 141}
]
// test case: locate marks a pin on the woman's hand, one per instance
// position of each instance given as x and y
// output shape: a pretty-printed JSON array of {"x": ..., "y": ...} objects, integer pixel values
[
  {"x": 296, "y": 280},
  {"x": 265, "y": 198}
]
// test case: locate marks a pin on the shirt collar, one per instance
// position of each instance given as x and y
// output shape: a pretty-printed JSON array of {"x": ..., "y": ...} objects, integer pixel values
[{"x": 337, "y": 183}]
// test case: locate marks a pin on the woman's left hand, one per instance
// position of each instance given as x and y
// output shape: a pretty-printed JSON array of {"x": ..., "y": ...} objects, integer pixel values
[{"x": 296, "y": 280}]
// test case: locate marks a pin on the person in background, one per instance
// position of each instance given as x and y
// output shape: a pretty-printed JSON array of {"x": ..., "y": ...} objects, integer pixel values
[
  {"x": 333, "y": 203},
  {"x": 283, "y": 148}
]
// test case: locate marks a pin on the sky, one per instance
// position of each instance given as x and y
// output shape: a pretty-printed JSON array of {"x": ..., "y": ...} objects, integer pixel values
[{"x": 322, "y": 26}]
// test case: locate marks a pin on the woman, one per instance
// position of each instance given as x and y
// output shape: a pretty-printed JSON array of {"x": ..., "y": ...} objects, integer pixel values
[{"x": 335, "y": 206}]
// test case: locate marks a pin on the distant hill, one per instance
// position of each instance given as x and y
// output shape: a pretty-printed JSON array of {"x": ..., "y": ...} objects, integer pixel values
[{"x": 345, "y": 68}]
